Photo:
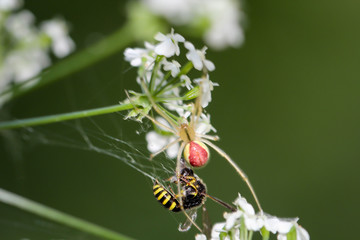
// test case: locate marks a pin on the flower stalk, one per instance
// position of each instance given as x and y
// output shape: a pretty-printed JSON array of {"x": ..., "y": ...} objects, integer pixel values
[
  {"x": 57, "y": 216},
  {"x": 30, "y": 122}
]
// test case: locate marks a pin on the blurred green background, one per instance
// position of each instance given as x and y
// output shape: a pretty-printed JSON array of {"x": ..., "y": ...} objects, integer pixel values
[{"x": 287, "y": 110}]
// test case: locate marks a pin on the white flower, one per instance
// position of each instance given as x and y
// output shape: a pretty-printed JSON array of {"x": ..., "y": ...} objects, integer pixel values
[
  {"x": 157, "y": 141},
  {"x": 232, "y": 219},
  {"x": 223, "y": 16},
  {"x": 200, "y": 237},
  {"x": 197, "y": 57},
  {"x": 207, "y": 86},
  {"x": 301, "y": 233},
  {"x": 168, "y": 45},
  {"x": 140, "y": 56},
  {"x": 27, "y": 63},
  {"x": 284, "y": 225},
  {"x": 57, "y": 29},
  {"x": 244, "y": 205},
  {"x": 203, "y": 125},
  {"x": 187, "y": 81},
  {"x": 216, "y": 230},
  {"x": 225, "y": 29},
  {"x": 253, "y": 222},
  {"x": 272, "y": 224},
  {"x": 135, "y": 56},
  {"x": 172, "y": 66},
  {"x": 21, "y": 25},
  {"x": 178, "y": 106},
  {"x": 176, "y": 11},
  {"x": 256, "y": 221},
  {"x": 10, "y": 5}
]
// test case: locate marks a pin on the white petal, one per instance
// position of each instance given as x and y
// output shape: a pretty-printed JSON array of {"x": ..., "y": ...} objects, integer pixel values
[
  {"x": 189, "y": 46},
  {"x": 200, "y": 237},
  {"x": 149, "y": 46},
  {"x": 302, "y": 234},
  {"x": 10, "y": 5},
  {"x": 216, "y": 230},
  {"x": 272, "y": 224},
  {"x": 284, "y": 226},
  {"x": 232, "y": 219},
  {"x": 173, "y": 66},
  {"x": 136, "y": 62},
  {"x": 173, "y": 150},
  {"x": 281, "y": 237},
  {"x": 253, "y": 223},
  {"x": 163, "y": 122},
  {"x": 63, "y": 47},
  {"x": 165, "y": 48},
  {"x": 179, "y": 38},
  {"x": 160, "y": 37},
  {"x": 155, "y": 141},
  {"x": 195, "y": 59},
  {"x": 244, "y": 205},
  {"x": 209, "y": 65}
]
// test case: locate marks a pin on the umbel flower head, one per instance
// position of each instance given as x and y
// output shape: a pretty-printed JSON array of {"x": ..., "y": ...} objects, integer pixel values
[
  {"x": 240, "y": 223},
  {"x": 164, "y": 79},
  {"x": 218, "y": 20}
]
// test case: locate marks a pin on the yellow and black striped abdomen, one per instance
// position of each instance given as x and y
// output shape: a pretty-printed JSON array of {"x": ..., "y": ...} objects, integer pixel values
[{"x": 166, "y": 199}]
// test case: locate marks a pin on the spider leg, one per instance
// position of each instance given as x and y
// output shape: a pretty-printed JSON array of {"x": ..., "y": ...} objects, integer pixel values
[
  {"x": 156, "y": 108},
  {"x": 238, "y": 170},
  {"x": 161, "y": 125},
  {"x": 164, "y": 148},
  {"x": 209, "y": 137},
  {"x": 198, "y": 107},
  {"x": 178, "y": 169}
]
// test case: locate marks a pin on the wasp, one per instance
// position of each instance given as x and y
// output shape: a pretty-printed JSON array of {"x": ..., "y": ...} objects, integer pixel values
[
  {"x": 193, "y": 192},
  {"x": 193, "y": 195}
]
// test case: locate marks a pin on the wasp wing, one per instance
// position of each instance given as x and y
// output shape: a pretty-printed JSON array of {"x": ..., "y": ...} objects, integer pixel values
[
  {"x": 206, "y": 228},
  {"x": 191, "y": 217}
]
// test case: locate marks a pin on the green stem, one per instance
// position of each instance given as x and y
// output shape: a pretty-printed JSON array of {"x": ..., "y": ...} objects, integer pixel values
[
  {"x": 154, "y": 72},
  {"x": 163, "y": 80},
  {"x": 174, "y": 118},
  {"x": 63, "y": 117},
  {"x": 57, "y": 216},
  {"x": 74, "y": 63},
  {"x": 183, "y": 71}
]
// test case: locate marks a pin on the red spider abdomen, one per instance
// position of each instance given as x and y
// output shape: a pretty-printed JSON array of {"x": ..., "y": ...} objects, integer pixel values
[{"x": 196, "y": 153}]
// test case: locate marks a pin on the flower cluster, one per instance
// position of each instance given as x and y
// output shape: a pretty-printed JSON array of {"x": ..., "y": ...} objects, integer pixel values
[
  {"x": 242, "y": 223},
  {"x": 24, "y": 48},
  {"x": 164, "y": 80},
  {"x": 218, "y": 20}
]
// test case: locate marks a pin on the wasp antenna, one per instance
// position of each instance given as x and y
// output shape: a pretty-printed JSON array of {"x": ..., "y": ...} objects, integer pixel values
[{"x": 224, "y": 204}]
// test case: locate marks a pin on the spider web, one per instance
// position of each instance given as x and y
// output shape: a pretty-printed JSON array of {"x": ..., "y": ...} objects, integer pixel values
[{"x": 89, "y": 135}]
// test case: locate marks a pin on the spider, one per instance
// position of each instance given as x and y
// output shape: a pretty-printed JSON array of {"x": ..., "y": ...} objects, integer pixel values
[{"x": 193, "y": 146}]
